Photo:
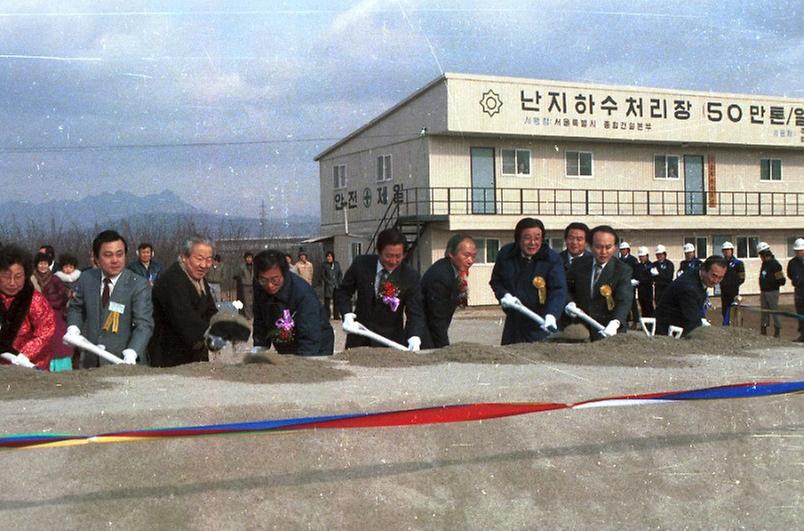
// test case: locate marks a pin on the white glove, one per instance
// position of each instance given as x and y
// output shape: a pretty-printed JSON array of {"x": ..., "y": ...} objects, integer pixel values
[
  {"x": 549, "y": 323},
  {"x": 704, "y": 322},
  {"x": 634, "y": 282},
  {"x": 129, "y": 356},
  {"x": 654, "y": 271},
  {"x": 238, "y": 305},
  {"x": 73, "y": 330},
  {"x": 611, "y": 328},
  {"x": 23, "y": 361},
  {"x": 414, "y": 343},
  {"x": 509, "y": 300},
  {"x": 349, "y": 319}
]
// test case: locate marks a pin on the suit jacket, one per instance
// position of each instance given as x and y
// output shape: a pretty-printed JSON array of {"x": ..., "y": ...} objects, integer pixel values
[
  {"x": 565, "y": 258},
  {"x": 681, "y": 304},
  {"x": 312, "y": 333},
  {"x": 136, "y": 323},
  {"x": 515, "y": 274},
  {"x": 440, "y": 298},
  {"x": 181, "y": 318},
  {"x": 371, "y": 311},
  {"x": 616, "y": 275}
]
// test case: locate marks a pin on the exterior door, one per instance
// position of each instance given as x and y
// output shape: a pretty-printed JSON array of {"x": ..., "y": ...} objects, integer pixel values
[
  {"x": 694, "y": 197},
  {"x": 483, "y": 182}
]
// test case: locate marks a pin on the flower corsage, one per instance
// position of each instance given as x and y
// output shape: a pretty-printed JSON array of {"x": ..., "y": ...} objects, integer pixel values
[
  {"x": 389, "y": 293},
  {"x": 283, "y": 333}
]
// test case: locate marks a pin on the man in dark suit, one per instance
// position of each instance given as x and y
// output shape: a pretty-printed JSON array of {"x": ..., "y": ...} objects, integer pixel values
[
  {"x": 183, "y": 307},
  {"x": 576, "y": 238},
  {"x": 682, "y": 304},
  {"x": 600, "y": 284},
  {"x": 287, "y": 313},
  {"x": 112, "y": 306},
  {"x": 444, "y": 288},
  {"x": 386, "y": 289},
  {"x": 529, "y": 271},
  {"x": 331, "y": 276},
  {"x": 645, "y": 288},
  {"x": 633, "y": 263}
]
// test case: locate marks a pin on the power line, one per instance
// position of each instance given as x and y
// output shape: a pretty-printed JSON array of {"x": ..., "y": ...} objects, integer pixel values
[{"x": 114, "y": 147}]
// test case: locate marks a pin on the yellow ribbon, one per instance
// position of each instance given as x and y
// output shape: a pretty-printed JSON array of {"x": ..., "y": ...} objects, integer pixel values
[
  {"x": 605, "y": 291},
  {"x": 541, "y": 287},
  {"x": 112, "y": 322}
]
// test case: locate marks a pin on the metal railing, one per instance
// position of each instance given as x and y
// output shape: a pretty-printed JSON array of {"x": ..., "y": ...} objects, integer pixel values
[{"x": 439, "y": 201}]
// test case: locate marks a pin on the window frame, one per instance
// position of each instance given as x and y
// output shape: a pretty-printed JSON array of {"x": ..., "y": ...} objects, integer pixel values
[
  {"x": 483, "y": 250},
  {"x": 578, "y": 153},
  {"x": 516, "y": 152},
  {"x": 335, "y": 177},
  {"x": 770, "y": 162},
  {"x": 666, "y": 177},
  {"x": 387, "y": 168},
  {"x": 752, "y": 249}
]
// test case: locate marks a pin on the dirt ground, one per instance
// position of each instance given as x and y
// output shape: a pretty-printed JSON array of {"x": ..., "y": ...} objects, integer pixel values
[{"x": 719, "y": 464}]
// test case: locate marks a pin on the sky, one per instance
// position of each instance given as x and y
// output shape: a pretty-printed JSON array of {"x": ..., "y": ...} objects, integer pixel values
[{"x": 227, "y": 103}]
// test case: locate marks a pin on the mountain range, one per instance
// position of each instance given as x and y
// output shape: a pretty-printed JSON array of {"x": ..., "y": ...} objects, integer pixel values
[{"x": 165, "y": 209}]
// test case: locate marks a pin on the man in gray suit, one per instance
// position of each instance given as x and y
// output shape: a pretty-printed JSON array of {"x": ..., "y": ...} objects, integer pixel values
[{"x": 112, "y": 305}]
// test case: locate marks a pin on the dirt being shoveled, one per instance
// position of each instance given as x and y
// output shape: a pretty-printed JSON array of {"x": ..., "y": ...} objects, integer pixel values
[
  {"x": 633, "y": 349},
  {"x": 17, "y": 383}
]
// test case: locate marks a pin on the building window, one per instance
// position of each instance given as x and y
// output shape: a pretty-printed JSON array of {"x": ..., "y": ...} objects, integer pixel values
[
  {"x": 556, "y": 244},
  {"x": 579, "y": 164},
  {"x": 516, "y": 162},
  {"x": 487, "y": 249},
  {"x": 665, "y": 166},
  {"x": 790, "y": 244},
  {"x": 701, "y": 250},
  {"x": 770, "y": 170},
  {"x": 747, "y": 246},
  {"x": 384, "y": 168},
  {"x": 339, "y": 176}
]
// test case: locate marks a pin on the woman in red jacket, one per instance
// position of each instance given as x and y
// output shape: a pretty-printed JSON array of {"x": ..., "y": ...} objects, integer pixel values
[{"x": 27, "y": 326}]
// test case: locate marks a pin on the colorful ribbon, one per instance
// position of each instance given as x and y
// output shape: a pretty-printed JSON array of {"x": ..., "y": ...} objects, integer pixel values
[{"x": 408, "y": 417}]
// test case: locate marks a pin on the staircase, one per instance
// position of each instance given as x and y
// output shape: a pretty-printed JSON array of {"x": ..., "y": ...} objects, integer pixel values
[{"x": 411, "y": 226}]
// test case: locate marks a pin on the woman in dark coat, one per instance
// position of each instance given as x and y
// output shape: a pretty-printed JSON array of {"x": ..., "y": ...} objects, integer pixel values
[{"x": 57, "y": 295}]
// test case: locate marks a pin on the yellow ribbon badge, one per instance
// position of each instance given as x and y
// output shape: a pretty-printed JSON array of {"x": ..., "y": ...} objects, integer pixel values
[
  {"x": 605, "y": 291},
  {"x": 112, "y": 322},
  {"x": 541, "y": 287}
]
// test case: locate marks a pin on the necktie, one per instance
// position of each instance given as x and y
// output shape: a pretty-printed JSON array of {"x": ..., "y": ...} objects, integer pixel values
[
  {"x": 107, "y": 291},
  {"x": 596, "y": 274}
]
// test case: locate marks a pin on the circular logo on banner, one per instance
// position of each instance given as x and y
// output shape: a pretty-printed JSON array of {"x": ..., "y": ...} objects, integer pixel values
[
  {"x": 491, "y": 102},
  {"x": 367, "y": 197}
]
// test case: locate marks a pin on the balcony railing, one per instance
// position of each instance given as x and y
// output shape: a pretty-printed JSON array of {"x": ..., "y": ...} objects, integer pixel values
[{"x": 562, "y": 202}]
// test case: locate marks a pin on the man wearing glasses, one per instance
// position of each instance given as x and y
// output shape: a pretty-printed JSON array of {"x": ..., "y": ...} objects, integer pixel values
[{"x": 287, "y": 312}]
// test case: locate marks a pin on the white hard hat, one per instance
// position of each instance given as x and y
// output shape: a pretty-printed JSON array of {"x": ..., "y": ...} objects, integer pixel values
[
  {"x": 798, "y": 245},
  {"x": 625, "y": 245},
  {"x": 762, "y": 246},
  {"x": 660, "y": 249},
  {"x": 689, "y": 248},
  {"x": 643, "y": 251},
  {"x": 727, "y": 245}
]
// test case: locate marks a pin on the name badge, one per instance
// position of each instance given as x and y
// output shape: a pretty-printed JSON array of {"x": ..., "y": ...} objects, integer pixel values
[{"x": 117, "y": 307}]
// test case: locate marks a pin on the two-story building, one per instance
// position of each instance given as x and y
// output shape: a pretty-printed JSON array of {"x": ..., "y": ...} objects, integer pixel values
[{"x": 477, "y": 153}]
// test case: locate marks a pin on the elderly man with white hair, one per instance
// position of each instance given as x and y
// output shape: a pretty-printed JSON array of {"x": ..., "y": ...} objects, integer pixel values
[{"x": 183, "y": 307}]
